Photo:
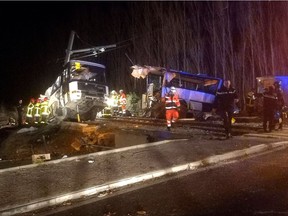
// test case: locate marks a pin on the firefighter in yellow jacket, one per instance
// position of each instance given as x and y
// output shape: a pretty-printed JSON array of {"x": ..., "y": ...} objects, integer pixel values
[
  {"x": 37, "y": 111},
  {"x": 44, "y": 110},
  {"x": 114, "y": 102},
  {"x": 30, "y": 113}
]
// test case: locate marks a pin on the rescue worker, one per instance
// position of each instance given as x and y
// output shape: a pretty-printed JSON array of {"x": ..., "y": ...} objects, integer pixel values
[
  {"x": 250, "y": 102},
  {"x": 20, "y": 110},
  {"x": 44, "y": 110},
  {"x": 114, "y": 102},
  {"x": 269, "y": 108},
  {"x": 150, "y": 97},
  {"x": 37, "y": 111},
  {"x": 122, "y": 102},
  {"x": 280, "y": 102},
  {"x": 172, "y": 107},
  {"x": 225, "y": 100},
  {"x": 29, "y": 113}
]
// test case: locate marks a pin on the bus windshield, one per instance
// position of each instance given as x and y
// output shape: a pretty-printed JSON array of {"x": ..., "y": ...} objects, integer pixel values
[{"x": 86, "y": 71}]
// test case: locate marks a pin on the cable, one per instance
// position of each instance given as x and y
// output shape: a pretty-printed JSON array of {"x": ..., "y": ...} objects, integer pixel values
[
  {"x": 118, "y": 43},
  {"x": 83, "y": 40}
]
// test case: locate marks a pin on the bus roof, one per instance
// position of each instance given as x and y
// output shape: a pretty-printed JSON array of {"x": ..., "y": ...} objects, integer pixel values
[{"x": 143, "y": 71}]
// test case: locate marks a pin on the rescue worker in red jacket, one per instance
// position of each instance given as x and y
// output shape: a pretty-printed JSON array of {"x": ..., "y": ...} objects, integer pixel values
[
  {"x": 172, "y": 106},
  {"x": 122, "y": 102}
]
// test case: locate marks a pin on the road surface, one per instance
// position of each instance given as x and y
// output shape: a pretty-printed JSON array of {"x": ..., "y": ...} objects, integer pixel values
[{"x": 254, "y": 186}]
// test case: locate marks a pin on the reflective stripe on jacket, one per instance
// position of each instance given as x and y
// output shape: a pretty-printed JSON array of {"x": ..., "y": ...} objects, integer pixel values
[
  {"x": 30, "y": 110},
  {"x": 44, "y": 108},
  {"x": 114, "y": 100},
  {"x": 37, "y": 110},
  {"x": 122, "y": 99},
  {"x": 172, "y": 101}
]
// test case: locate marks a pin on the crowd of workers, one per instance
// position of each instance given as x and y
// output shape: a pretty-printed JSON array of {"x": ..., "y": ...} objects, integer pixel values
[
  {"x": 116, "y": 104},
  {"x": 37, "y": 112},
  {"x": 226, "y": 98},
  {"x": 225, "y": 102},
  {"x": 272, "y": 105}
]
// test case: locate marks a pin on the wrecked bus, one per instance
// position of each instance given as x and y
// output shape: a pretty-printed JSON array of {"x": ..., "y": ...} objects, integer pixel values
[
  {"x": 197, "y": 92},
  {"x": 80, "y": 89}
]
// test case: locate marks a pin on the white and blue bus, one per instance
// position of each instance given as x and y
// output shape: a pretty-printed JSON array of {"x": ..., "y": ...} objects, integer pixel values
[
  {"x": 197, "y": 92},
  {"x": 80, "y": 89}
]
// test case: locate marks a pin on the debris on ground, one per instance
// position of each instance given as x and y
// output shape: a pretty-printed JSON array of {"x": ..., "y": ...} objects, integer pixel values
[{"x": 53, "y": 141}]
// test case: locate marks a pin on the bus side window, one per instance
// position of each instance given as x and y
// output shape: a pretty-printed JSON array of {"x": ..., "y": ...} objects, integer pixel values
[
  {"x": 212, "y": 89},
  {"x": 192, "y": 86}
]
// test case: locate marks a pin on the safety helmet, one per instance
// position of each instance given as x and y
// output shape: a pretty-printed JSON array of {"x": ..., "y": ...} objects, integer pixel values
[
  {"x": 120, "y": 91},
  {"x": 173, "y": 89},
  {"x": 113, "y": 92}
]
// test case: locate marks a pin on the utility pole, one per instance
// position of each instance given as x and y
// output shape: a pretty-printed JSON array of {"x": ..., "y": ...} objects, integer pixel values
[
  {"x": 94, "y": 50},
  {"x": 69, "y": 48}
]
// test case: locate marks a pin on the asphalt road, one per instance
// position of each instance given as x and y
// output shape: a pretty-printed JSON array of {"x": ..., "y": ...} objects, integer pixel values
[{"x": 254, "y": 186}]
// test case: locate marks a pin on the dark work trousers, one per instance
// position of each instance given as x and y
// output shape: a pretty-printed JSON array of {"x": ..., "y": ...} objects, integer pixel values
[
  {"x": 20, "y": 119},
  {"x": 227, "y": 118},
  {"x": 282, "y": 118},
  {"x": 268, "y": 120}
]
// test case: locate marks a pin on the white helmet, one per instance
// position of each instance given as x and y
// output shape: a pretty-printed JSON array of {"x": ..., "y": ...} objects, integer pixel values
[{"x": 173, "y": 89}]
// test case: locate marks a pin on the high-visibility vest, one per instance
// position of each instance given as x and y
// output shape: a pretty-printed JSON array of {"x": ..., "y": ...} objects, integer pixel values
[
  {"x": 44, "y": 108},
  {"x": 114, "y": 100},
  {"x": 37, "y": 110},
  {"x": 122, "y": 99},
  {"x": 30, "y": 108},
  {"x": 172, "y": 101}
]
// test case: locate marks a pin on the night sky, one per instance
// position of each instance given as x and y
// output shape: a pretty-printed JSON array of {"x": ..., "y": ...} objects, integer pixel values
[
  {"x": 34, "y": 36},
  {"x": 239, "y": 40}
]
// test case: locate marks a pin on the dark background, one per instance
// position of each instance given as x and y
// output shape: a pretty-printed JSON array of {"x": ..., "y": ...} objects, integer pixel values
[
  {"x": 235, "y": 40},
  {"x": 34, "y": 38}
]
